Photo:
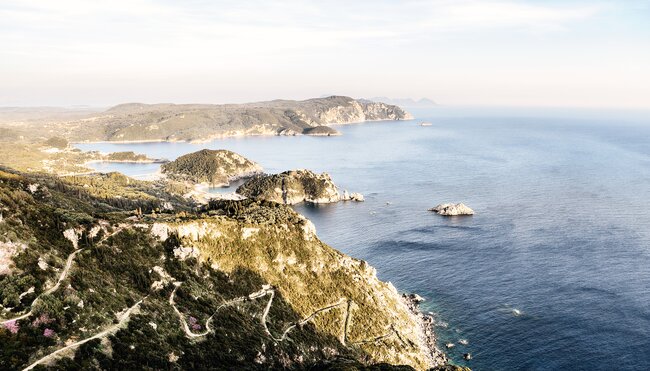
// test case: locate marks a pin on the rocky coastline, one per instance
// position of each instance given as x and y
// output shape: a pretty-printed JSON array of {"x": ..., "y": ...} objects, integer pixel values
[{"x": 427, "y": 326}]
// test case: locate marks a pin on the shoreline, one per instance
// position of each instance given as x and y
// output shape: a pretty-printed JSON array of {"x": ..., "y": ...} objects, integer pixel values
[
  {"x": 227, "y": 136},
  {"x": 152, "y": 161},
  {"x": 426, "y": 323}
]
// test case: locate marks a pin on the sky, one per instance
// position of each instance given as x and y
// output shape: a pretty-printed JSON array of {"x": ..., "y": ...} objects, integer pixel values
[{"x": 461, "y": 52}]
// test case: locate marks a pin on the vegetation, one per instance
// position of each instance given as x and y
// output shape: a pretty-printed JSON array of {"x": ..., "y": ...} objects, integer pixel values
[
  {"x": 291, "y": 187},
  {"x": 123, "y": 258},
  {"x": 57, "y": 142},
  {"x": 218, "y": 167},
  {"x": 126, "y": 156},
  {"x": 200, "y": 122},
  {"x": 321, "y": 131}
]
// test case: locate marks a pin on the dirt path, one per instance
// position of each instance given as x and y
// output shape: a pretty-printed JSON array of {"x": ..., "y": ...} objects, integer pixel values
[
  {"x": 62, "y": 276},
  {"x": 107, "y": 331},
  {"x": 256, "y": 295},
  {"x": 186, "y": 328},
  {"x": 299, "y": 323}
]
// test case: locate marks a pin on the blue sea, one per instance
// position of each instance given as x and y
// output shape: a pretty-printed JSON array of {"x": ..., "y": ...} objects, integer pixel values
[{"x": 553, "y": 271}]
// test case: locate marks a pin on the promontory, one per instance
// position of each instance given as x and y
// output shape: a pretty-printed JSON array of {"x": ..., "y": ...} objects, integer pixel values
[
  {"x": 204, "y": 122},
  {"x": 215, "y": 167}
]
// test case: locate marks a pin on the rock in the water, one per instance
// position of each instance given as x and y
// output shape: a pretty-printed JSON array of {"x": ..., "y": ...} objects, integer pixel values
[
  {"x": 463, "y": 342},
  {"x": 322, "y": 131},
  {"x": 358, "y": 197},
  {"x": 450, "y": 209},
  {"x": 449, "y": 345},
  {"x": 292, "y": 187},
  {"x": 215, "y": 167},
  {"x": 467, "y": 356},
  {"x": 414, "y": 298}
]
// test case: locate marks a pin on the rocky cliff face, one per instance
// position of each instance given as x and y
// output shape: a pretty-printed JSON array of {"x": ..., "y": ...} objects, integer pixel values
[
  {"x": 292, "y": 187},
  {"x": 352, "y": 111},
  {"x": 236, "y": 284},
  {"x": 216, "y": 167}
]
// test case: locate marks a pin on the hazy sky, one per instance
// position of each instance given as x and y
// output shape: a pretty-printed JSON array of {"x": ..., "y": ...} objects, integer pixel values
[{"x": 538, "y": 53}]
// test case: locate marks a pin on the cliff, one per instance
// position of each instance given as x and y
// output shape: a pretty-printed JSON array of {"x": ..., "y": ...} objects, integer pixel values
[
  {"x": 216, "y": 167},
  {"x": 234, "y": 284}
]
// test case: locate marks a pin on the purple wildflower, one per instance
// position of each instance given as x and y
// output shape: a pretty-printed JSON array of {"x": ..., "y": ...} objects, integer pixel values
[
  {"x": 196, "y": 327},
  {"x": 42, "y": 319},
  {"x": 12, "y": 326},
  {"x": 192, "y": 320},
  {"x": 48, "y": 332}
]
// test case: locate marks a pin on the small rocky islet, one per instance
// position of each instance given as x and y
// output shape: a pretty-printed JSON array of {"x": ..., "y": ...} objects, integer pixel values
[{"x": 451, "y": 209}]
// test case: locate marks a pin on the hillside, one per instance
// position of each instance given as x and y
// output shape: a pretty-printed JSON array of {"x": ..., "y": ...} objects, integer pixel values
[
  {"x": 291, "y": 187},
  {"x": 203, "y": 122},
  {"x": 215, "y": 167},
  {"x": 91, "y": 279}
]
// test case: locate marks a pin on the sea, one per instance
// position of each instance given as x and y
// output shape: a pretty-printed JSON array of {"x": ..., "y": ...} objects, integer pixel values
[{"x": 553, "y": 270}]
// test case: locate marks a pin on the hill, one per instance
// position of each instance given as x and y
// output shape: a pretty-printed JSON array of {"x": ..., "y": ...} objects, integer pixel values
[
  {"x": 216, "y": 167},
  {"x": 92, "y": 280},
  {"x": 203, "y": 122}
]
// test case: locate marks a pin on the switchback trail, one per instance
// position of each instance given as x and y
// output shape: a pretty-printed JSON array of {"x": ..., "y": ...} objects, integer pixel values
[
  {"x": 62, "y": 276},
  {"x": 53, "y": 355}
]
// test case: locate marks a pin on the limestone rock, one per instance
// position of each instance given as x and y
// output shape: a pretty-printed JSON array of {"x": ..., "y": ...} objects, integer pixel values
[
  {"x": 358, "y": 197},
  {"x": 449, "y": 209}
]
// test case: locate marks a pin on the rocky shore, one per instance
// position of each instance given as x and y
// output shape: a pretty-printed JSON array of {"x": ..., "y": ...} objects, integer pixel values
[{"x": 427, "y": 324}]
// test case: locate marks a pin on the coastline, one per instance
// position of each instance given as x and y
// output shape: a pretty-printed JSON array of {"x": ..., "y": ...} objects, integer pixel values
[
  {"x": 150, "y": 161},
  {"x": 427, "y": 328},
  {"x": 228, "y": 135}
]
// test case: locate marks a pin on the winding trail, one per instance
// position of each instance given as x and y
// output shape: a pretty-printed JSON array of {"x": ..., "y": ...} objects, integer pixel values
[
  {"x": 122, "y": 320},
  {"x": 269, "y": 291},
  {"x": 62, "y": 276},
  {"x": 299, "y": 323},
  {"x": 186, "y": 328}
]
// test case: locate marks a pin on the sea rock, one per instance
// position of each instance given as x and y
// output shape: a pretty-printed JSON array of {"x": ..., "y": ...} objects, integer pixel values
[
  {"x": 292, "y": 187},
  {"x": 450, "y": 209},
  {"x": 467, "y": 356},
  {"x": 358, "y": 197},
  {"x": 321, "y": 131},
  {"x": 215, "y": 167}
]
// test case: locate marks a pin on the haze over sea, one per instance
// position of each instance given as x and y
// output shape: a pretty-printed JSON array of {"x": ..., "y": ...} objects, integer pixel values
[{"x": 553, "y": 271}]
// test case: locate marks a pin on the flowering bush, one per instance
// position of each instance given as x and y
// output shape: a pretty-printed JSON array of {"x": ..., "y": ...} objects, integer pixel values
[
  {"x": 48, "y": 332},
  {"x": 42, "y": 319},
  {"x": 194, "y": 323},
  {"x": 12, "y": 326}
]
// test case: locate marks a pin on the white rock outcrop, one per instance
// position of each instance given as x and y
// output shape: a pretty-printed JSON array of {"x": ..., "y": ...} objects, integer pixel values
[
  {"x": 357, "y": 197},
  {"x": 7, "y": 251},
  {"x": 450, "y": 209}
]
